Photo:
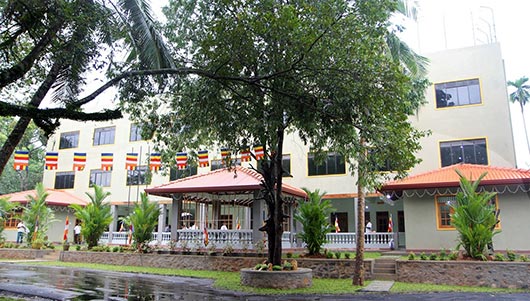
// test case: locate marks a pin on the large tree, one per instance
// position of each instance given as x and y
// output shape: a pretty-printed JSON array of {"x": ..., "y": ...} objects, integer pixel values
[{"x": 333, "y": 83}]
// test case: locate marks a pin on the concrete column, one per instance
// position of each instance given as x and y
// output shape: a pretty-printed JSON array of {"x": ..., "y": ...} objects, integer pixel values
[
  {"x": 258, "y": 213},
  {"x": 161, "y": 221},
  {"x": 176, "y": 209},
  {"x": 112, "y": 226}
]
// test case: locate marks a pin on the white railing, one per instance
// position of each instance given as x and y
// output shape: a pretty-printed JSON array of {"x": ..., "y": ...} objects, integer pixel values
[{"x": 240, "y": 239}]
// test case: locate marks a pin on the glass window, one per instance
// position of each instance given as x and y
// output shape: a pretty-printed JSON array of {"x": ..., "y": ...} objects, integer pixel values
[
  {"x": 104, "y": 135},
  {"x": 64, "y": 180},
  {"x": 12, "y": 219},
  {"x": 464, "y": 151},
  {"x": 100, "y": 177},
  {"x": 458, "y": 93},
  {"x": 333, "y": 164},
  {"x": 69, "y": 140},
  {"x": 286, "y": 165},
  {"x": 140, "y": 176},
  {"x": 136, "y": 132},
  {"x": 444, "y": 210},
  {"x": 175, "y": 173}
]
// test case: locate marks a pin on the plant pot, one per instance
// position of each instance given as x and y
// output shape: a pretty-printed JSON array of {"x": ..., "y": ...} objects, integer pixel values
[{"x": 66, "y": 247}]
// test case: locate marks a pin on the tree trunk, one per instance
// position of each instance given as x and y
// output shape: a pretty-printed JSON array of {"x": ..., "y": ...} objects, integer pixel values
[{"x": 358, "y": 273}]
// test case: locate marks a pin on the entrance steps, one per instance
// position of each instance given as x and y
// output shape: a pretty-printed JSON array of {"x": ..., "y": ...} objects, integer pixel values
[{"x": 385, "y": 268}]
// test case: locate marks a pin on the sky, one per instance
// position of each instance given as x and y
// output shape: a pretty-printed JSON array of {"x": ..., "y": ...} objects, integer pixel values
[{"x": 450, "y": 24}]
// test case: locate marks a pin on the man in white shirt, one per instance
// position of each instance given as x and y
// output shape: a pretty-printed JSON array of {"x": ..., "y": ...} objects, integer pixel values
[
  {"x": 21, "y": 230},
  {"x": 77, "y": 234}
]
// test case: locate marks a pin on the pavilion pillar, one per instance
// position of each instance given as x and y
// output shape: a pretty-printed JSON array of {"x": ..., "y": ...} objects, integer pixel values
[
  {"x": 161, "y": 221},
  {"x": 216, "y": 213},
  {"x": 112, "y": 226},
  {"x": 258, "y": 214},
  {"x": 176, "y": 211}
]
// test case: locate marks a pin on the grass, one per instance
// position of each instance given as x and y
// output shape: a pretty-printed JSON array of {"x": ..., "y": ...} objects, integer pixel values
[{"x": 231, "y": 281}]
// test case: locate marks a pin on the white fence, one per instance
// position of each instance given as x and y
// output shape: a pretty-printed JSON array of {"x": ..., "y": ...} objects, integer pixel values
[{"x": 242, "y": 239}]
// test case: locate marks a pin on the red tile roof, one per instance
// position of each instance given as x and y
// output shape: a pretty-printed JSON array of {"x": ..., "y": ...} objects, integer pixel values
[
  {"x": 447, "y": 177},
  {"x": 55, "y": 197},
  {"x": 222, "y": 180}
]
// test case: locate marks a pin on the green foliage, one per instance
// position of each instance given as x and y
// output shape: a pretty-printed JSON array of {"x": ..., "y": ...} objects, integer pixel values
[
  {"x": 329, "y": 255},
  {"x": 523, "y": 258},
  {"x": 453, "y": 255},
  {"x": 499, "y": 257},
  {"x": 144, "y": 219},
  {"x": 443, "y": 254},
  {"x": 95, "y": 217},
  {"x": 347, "y": 255},
  {"x": 314, "y": 214},
  {"x": 433, "y": 256},
  {"x": 511, "y": 255},
  {"x": 277, "y": 268},
  {"x": 474, "y": 217},
  {"x": 423, "y": 256},
  {"x": 5, "y": 209},
  {"x": 412, "y": 256},
  {"x": 337, "y": 255},
  {"x": 37, "y": 216}
]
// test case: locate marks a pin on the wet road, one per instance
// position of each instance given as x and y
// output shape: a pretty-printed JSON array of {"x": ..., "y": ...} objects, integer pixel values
[{"x": 58, "y": 283}]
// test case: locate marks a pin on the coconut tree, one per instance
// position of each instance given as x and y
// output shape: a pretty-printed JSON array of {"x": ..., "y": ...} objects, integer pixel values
[
  {"x": 95, "y": 217},
  {"x": 521, "y": 95}
]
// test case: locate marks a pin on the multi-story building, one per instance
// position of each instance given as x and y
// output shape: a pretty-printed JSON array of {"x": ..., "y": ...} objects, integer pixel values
[{"x": 466, "y": 110}]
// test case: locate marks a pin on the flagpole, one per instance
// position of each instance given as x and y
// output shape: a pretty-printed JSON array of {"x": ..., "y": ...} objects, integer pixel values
[
  {"x": 128, "y": 184},
  {"x": 139, "y": 171}
]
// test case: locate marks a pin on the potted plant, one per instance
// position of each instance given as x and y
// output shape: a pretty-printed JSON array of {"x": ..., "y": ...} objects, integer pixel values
[{"x": 66, "y": 245}]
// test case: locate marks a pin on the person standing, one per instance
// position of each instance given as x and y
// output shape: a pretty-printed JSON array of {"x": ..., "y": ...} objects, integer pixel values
[
  {"x": 21, "y": 230},
  {"x": 77, "y": 234}
]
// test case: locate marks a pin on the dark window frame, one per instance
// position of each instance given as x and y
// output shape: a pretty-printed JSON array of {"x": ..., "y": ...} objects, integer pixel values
[
  {"x": 141, "y": 175},
  {"x": 104, "y": 135},
  {"x": 63, "y": 179},
  {"x": 334, "y": 164},
  {"x": 100, "y": 176},
  {"x": 458, "y": 93},
  {"x": 65, "y": 140},
  {"x": 472, "y": 151}
]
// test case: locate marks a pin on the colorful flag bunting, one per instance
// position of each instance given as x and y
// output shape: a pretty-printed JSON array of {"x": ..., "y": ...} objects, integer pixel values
[
  {"x": 337, "y": 228},
  {"x": 131, "y": 161},
  {"x": 245, "y": 155},
  {"x": 79, "y": 161},
  {"x": 182, "y": 160},
  {"x": 21, "y": 160},
  {"x": 259, "y": 152},
  {"x": 203, "y": 158},
  {"x": 155, "y": 162},
  {"x": 107, "y": 161},
  {"x": 390, "y": 224},
  {"x": 51, "y": 160},
  {"x": 65, "y": 235}
]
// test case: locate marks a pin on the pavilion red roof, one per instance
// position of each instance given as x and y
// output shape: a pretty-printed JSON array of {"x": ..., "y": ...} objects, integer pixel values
[
  {"x": 237, "y": 179},
  {"x": 55, "y": 197},
  {"x": 447, "y": 177}
]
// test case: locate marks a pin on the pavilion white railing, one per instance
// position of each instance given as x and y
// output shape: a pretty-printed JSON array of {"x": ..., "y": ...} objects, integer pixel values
[{"x": 242, "y": 239}]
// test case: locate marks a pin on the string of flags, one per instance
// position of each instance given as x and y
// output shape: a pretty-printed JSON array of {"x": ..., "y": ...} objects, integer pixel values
[{"x": 131, "y": 159}]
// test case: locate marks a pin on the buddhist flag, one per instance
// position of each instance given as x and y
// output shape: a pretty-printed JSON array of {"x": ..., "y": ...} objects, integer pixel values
[
  {"x": 106, "y": 161},
  {"x": 36, "y": 229},
  {"x": 206, "y": 238},
  {"x": 51, "y": 160},
  {"x": 129, "y": 238},
  {"x": 245, "y": 155},
  {"x": 131, "y": 161},
  {"x": 225, "y": 153},
  {"x": 79, "y": 161},
  {"x": 182, "y": 160},
  {"x": 259, "y": 152},
  {"x": 203, "y": 158},
  {"x": 390, "y": 224},
  {"x": 337, "y": 228},
  {"x": 238, "y": 224},
  {"x": 65, "y": 235},
  {"x": 155, "y": 162},
  {"x": 21, "y": 160}
]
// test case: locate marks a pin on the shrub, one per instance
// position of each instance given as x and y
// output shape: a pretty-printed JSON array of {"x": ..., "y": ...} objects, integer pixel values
[
  {"x": 443, "y": 254},
  {"x": 287, "y": 265},
  {"x": 78, "y": 247},
  {"x": 347, "y": 255},
  {"x": 260, "y": 247},
  {"x": 476, "y": 209},
  {"x": 260, "y": 267},
  {"x": 511, "y": 255},
  {"x": 289, "y": 255},
  {"x": 412, "y": 256},
  {"x": 433, "y": 256},
  {"x": 453, "y": 255},
  {"x": 523, "y": 258},
  {"x": 276, "y": 267},
  {"x": 337, "y": 255},
  {"x": 116, "y": 249},
  {"x": 329, "y": 255},
  {"x": 228, "y": 250},
  {"x": 499, "y": 257},
  {"x": 423, "y": 256},
  {"x": 314, "y": 214}
]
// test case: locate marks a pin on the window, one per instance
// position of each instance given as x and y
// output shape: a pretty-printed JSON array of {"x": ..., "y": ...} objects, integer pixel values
[
  {"x": 286, "y": 165},
  {"x": 104, "y": 135},
  {"x": 100, "y": 178},
  {"x": 175, "y": 173},
  {"x": 136, "y": 132},
  {"x": 218, "y": 164},
  {"x": 401, "y": 221},
  {"x": 458, "y": 93},
  {"x": 444, "y": 210},
  {"x": 64, "y": 180},
  {"x": 69, "y": 140},
  {"x": 333, "y": 164},
  {"x": 464, "y": 151},
  {"x": 12, "y": 219},
  {"x": 140, "y": 176}
]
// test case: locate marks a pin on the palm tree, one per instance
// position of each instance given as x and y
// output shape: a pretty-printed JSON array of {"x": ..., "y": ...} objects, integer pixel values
[
  {"x": 37, "y": 216},
  {"x": 521, "y": 95},
  {"x": 95, "y": 217},
  {"x": 143, "y": 218}
]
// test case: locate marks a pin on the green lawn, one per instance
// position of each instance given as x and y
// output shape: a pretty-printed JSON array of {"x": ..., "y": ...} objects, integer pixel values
[{"x": 231, "y": 281}]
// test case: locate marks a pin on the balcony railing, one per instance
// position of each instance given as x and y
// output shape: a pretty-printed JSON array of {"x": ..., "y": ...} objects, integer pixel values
[{"x": 241, "y": 239}]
